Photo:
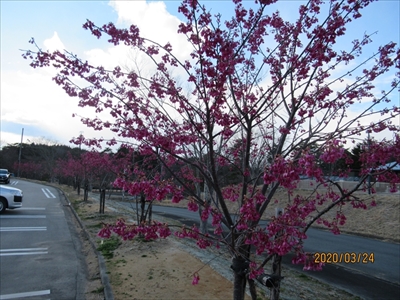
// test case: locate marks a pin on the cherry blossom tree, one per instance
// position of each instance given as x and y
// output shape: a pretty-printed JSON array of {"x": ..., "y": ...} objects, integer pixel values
[
  {"x": 285, "y": 90},
  {"x": 139, "y": 170},
  {"x": 90, "y": 167},
  {"x": 31, "y": 169},
  {"x": 71, "y": 167}
]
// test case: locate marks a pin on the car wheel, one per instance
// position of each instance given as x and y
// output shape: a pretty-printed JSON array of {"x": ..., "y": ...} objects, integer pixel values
[{"x": 3, "y": 205}]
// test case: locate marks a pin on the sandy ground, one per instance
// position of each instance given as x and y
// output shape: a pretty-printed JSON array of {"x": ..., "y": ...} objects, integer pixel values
[
  {"x": 381, "y": 221},
  {"x": 163, "y": 269}
]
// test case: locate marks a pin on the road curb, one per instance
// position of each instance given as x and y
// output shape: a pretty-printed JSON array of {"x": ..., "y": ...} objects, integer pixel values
[{"x": 108, "y": 293}]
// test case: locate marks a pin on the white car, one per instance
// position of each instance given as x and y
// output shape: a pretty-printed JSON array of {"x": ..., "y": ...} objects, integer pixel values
[{"x": 10, "y": 198}]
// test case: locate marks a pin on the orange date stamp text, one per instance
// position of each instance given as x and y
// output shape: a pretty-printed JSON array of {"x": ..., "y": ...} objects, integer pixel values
[{"x": 344, "y": 257}]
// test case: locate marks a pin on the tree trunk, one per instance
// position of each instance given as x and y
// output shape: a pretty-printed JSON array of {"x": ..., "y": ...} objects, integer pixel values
[
  {"x": 102, "y": 200},
  {"x": 277, "y": 265},
  {"x": 137, "y": 209},
  {"x": 150, "y": 212},
  {"x": 86, "y": 191},
  {"x": 277, "y": 270},
  {"x": 78, "y": 186},
  {"x": 239, "y": 267},
  {"x": 203, "y": 224},
  {"x": 207, "y": 201},
  {"x": 142, "y": 208},
  {"x": 239, "y": 286},
  {"x": 253, "y": 290}
]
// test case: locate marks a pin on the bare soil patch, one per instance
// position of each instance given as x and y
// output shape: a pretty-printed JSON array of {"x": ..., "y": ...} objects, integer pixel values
[{"x": 381, "y": 221}]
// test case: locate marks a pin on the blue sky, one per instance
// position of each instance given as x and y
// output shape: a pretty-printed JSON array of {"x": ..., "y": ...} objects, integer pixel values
[{"x": 30, "y": 100}]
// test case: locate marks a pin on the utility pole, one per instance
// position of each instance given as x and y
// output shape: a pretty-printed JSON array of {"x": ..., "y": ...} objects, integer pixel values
[
  {"x": 369, "y": 173},
  {"x": 20, "y": 150},
  {"x": 80, "y": 139}
]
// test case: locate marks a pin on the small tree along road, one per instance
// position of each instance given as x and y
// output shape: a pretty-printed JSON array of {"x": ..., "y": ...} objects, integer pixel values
[{"x": 264, "y": 102}]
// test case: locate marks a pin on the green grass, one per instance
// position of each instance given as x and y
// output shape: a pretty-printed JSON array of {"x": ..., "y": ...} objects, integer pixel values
[
  {"x": 108, "y": 246},
  {"x": 122, "y": 261},
  {"x": 304, "y": 277},
  {"x": 96, "y": 226},
  {"x": 98, "y": 291},
  {"x": 97, "y": 217}
]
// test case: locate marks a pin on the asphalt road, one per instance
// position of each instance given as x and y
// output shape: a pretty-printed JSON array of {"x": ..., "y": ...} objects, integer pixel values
[
  {"x": 40, "y": 254},
  {"x": 378, "y": 280},
  {"x": 386, "y": 255}
]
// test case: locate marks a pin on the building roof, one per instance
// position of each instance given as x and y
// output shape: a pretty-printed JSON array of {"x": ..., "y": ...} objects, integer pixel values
[{"x": 394, "y": 166}]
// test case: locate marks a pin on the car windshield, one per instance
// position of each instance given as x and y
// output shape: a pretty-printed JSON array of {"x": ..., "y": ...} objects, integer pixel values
[{"x": 2, "y": 171}]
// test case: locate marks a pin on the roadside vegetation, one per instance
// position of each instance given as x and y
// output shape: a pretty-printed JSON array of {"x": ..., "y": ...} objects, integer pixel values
[
  {"x": 122, "y": 262},
  {"x": 125, "y": 260}
]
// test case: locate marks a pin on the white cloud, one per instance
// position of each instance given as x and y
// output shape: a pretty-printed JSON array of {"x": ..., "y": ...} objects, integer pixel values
[
  {"x": 40, "y": 103},
  {"x": 44, "y": 105},
  {"x": 154, "y": 22},
  {"x": 110, "y": 57},
  {"x": 54, "y": 43},
  {"x": 152, "y": 18}
]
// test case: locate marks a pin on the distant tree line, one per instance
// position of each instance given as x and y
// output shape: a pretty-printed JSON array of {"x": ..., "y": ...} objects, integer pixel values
[
  {"x": 73, "y": 165},
  {"x": 37, "y": 161}
]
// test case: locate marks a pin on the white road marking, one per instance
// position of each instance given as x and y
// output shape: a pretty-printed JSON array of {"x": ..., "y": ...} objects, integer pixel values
[
  {"x": 22, "y": 249},
  {"x": 27, "y": 294},
  {"x": 23, "y": 217},
  {"x": 48, "y": 194},
  {"x": 26, "y": 251},
  {"x": 32, "y": 208},
  {"x": 2, "y": 229},
  {"x": 14, "y": 182}
]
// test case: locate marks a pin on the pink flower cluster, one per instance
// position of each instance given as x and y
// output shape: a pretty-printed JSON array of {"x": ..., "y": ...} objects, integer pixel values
[
  {"x": 202, "y": 240},
  {"x": 332, "y": 152},
  {"x": 153, "y": 189},
  {"x": 255, "y": 271},
  {"x": 216, "y": 222},
  {"x": 192, "y": 206},
  {"x": 231, "y": 192},
  {"x": 282, "y": 171},
  {"x": 151, "y": 231},
  {"x": 196, "y": 278},
  {"x": 307, "y": 259},
  {"x": 248, "y": 211}
]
